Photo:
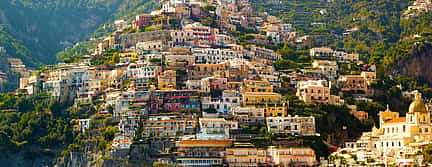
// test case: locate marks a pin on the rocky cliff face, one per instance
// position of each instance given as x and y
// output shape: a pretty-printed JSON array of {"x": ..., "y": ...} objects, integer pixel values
[{"x": 418, "y": 63}]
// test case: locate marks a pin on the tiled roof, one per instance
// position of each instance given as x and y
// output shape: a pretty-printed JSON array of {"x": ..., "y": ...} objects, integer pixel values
[
  {"x": 396, "y": 120},
  {"x": 261, "y": 93},
  {"x": 211, "y": 119},
  {"x": 323, "y": 48},
  {"x": 205, "y": 143},
  {"x": 352, "y": 76}
]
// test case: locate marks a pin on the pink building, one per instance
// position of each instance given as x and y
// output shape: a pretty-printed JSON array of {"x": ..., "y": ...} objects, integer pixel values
[
  {"x": 197, "y": 12},
  {"x": 313, "y": 91},
  {"x": 174, "y": 101},
  {"x": 204, "y": 36},
  {"x": 142, "y": 20}
]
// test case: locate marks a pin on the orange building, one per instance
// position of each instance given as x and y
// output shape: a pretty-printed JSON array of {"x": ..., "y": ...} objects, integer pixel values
[
  {"x": 167, "y": 80},
  {"x": 276, "y": 110},
  {"x": 361, "y": 115},
  {"x": 199, "y": 71},
  {"x": 166, "y": 127}
]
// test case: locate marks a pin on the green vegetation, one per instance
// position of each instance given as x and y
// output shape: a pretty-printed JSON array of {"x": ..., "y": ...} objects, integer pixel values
[
  {"x": 108, "y": 58},
  {"x": 58, "y": 24},
  {"x": 376, "y": 30},
  {"x": 37, "y": 123},
  {"x": 427, "y": 153}
]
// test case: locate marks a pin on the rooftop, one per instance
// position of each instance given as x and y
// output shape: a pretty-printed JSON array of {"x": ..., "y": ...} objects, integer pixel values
[
  {"x": 205, "y": 143},
  {"x": 396, "y": 120}
]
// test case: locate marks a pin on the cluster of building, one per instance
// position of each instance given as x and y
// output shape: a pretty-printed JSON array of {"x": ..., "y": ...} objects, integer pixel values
[
  {"x": 183, "y": 82},
  {"x": 321, "y": 82},
  {"x": 396, "y": 141},
  {"x": 179, "y": 79},
  {"x": 17, "y": 66},
  {"x": 418, "y": 7},
  {"x": 340, "y": 56}
]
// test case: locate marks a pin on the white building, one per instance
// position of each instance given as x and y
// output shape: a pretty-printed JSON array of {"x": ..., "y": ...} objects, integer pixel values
[
  {"x": 150, "y": 45},
  {"x": 263, "y": 53},
  {"x": 328, "y": 68},
  {"x": 248, "y": 115},
  {"x": 230, "y": 98},
  {"x": 214, "y": 56},
  {"x": 215, "y": 128},
  {"x": 142, "y": 71},
  {"x": 294, "y": 125},
  {"x": 321, "y": 52},
  {"x": 120, "y": 25},
  {"x": 84, "y": 124}
]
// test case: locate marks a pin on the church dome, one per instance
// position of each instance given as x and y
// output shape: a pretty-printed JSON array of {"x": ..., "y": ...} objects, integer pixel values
[{"x": 417, "y": 105}]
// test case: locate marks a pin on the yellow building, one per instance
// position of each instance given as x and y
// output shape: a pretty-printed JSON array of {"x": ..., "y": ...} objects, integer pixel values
[
  {"x": 260, "y": 98},
  {"x": 199, "y": 71},
  {"x": 234, "y": 85},
  {"x": 276, "y": 110},
  {"x": 167, "y": 80},
  {"x": 257, "y": 85}
]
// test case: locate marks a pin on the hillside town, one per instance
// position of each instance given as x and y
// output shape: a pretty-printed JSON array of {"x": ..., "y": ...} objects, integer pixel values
[{"x": 195, "y": 83}]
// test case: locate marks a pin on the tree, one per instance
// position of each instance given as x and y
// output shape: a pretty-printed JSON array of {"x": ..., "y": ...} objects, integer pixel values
[
  {"x": 287, "y": 53},
  {"x": 283, "y": 64},
  {"x": 427, "y": 152},
  {"x": 116, "y": 58},
  {"x": 109, "y": 133},
  {"x": 209, "y": 8}
]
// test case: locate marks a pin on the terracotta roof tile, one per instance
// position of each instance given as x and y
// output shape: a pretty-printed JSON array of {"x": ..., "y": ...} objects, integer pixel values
[
  {"x": 205, "y": 143},
  {"x": 396, "y": 120}
]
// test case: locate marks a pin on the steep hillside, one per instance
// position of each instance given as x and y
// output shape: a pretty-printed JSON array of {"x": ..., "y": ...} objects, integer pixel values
[
  {"x": 46, "y": 27},
  {"x": 378, "y": 29},
  {"x": 36, "y": 30}
]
